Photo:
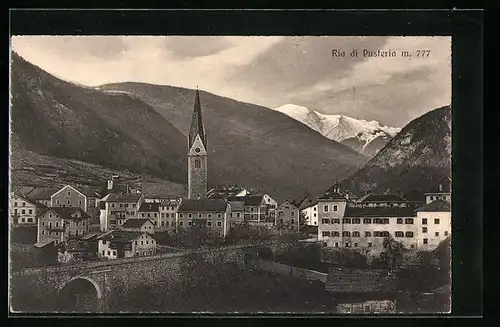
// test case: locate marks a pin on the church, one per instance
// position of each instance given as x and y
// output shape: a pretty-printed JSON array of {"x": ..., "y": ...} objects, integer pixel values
[{"x": 198, "y": 209}]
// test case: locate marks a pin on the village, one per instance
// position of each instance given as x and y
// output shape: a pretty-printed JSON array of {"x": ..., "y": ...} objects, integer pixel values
[{"x": 76, "y": 223}]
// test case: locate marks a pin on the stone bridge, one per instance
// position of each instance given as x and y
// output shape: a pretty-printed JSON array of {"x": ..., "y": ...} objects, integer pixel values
[{"x": 90, "y": 286}]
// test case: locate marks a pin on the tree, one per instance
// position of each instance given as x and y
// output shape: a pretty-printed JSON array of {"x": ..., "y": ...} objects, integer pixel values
[
  {"x": 302, "y": 221},
  {"x": 394, "y": 251}
]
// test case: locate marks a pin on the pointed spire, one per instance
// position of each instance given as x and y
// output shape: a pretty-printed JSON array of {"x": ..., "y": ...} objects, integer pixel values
[{"x": 197, "y": 122}]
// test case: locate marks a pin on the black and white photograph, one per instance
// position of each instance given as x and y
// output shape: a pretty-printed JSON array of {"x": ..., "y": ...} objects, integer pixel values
[{"x": 230, "y": 174}]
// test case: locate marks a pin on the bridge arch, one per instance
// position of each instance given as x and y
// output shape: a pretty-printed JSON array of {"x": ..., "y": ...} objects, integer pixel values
[{"x": 84, "y": 278}]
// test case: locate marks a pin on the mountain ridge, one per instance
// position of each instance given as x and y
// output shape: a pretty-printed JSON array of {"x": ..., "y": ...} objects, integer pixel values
[{"x": 366, "y": 137}]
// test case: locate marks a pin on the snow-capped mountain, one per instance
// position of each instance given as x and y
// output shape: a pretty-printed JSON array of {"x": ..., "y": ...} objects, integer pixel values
[{"x": 367, "y": 137}]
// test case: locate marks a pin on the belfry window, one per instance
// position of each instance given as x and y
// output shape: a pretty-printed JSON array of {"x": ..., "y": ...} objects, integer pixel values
[{"x": 197, "y": 163}]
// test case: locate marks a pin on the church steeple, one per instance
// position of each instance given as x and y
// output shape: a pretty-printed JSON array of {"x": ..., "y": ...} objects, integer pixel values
[{"x": 197, "y": 123}]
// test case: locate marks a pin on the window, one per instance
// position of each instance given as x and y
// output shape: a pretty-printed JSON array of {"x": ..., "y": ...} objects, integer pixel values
[
  {"x": 346, "y": 234},
  {"x": 209, "y": 223},
  {"x": 436, "y": 221},
  {"x": 377, "y": 220},
  {"x": 15, "y": 211},
  {"x": 114, "y": 253},
  {"x": 424, "y": 229},
  {"x": 189, "y": 215},
  {"x": 23, "y": 211},
  {"x": 409, "y": 221},
  {"x": 219, "y": 223},
  {"x": 57, "y": 202},
  {"x": 181, "y": 223},
  {"x": 325, "y": 208},
  {"x": 367, "y": 221},
  {"x": 69, "y": 193},
  {"x": 335, "y": 208},
  {"x": 15, "y": 204},
  {"x": 112, "y": 205},
  {"x": 437, "y": 233},
  {"x": 199, "y": 215},
  {"x": 57, "y": 224},
  {"x": 163, "y": 215},
  {"x": 281, "y": 221},
  {"x": 219, "y": 215},
  {"x": 293, "y": 221},
  {"x": 80, "y": 202},
  {"x": 336, "y": 245},
  {"x": 315, "y": 216},
  {"x": 325, "y": 221},
  {"x": 197, "y": 163},
  {"x": 346, "y": 221},
  {"x": 190, "y": 223},
  {"x": 237, "y": 215},
  {"x": 335, "y": 221},
  {"x": 137, "y": 253},
  {"x": 335, "y": 234},
  {"x": 385, "y": 245},
  {"x": 370, "y": 245},
  {"x": 109, "y": 252},
  {"x": 368, "y": 234},
  {"x": 356, "y": 221},
  {"x": 446, "y": 233},
  {"x": 347, "y": 245},
  {"x": 326, "y": 234},
  {"x": 30, "y": 211},
  {"x": 133, "y": 205},
  {"x": 385, "y": 220},
  {"x": 155, "y": 215},
  {"x": 147, "y": 242},
  {"x": 355, "y": 234},
  {"x": 399, "y": 234},
  {"x": 43, "y": 232},
  {"x": 355, "y": 245},
  {"x": 412, "y": 246},
  {"x": 292, "y": 214},
  {"x": 409, "y": 234}
]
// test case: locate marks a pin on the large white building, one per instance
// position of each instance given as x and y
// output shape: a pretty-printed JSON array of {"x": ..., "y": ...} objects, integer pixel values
[{"x": 344, "y": 225}]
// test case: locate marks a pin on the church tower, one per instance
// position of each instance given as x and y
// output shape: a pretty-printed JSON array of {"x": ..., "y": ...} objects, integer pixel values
[{"x": 197, "y": 154}]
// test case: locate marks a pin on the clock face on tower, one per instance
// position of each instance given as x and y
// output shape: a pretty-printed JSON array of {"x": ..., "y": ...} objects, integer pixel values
[{"x": 197, "y": 150}]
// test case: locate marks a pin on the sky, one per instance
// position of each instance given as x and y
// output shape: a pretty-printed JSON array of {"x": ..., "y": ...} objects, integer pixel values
[{"x": 266, "y": 70}]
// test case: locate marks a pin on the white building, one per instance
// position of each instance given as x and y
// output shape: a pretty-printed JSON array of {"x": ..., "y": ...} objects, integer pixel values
[
  {"x": 168, "y": 212},
  {"x": 116, "y": 208},
  {"x": 138, "y": 225},
  {"x": 126, "y": 244},
  {"x": 310, "y": 212},
  {"x": 23, "y": 211},
  {"x": 440, "y": 191},
  {"x": 434, "y": 224}
]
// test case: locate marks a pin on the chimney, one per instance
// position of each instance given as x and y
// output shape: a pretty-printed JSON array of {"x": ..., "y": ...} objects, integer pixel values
[{"x": 347, "y": 194}]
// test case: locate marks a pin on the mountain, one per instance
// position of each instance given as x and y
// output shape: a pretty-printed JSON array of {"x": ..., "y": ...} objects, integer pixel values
[
  {"x": 251, "y": 145},
  {"x": 142, "y": 128},
  {"x": 64, "y": 120},
  {"x": 413, "y": 161},
  {"x": 366, "y": 137}
]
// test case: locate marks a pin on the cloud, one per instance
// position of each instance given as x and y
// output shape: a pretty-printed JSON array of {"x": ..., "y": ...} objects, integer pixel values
[{"x": 269, "y": 71}]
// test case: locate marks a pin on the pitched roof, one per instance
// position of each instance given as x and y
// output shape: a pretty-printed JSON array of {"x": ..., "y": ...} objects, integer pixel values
[
  {"x": 197, "y": 123},
  {"x": 332, "y": 196},
  {"x": 383, "y": 198},
  {"x": 436, "y": 206},
  {"x": 43, "y": 244},
  {"x": 149, "y": 207},
  {"x": 308, "y": 203},
  {"x": 135, "y": 222},
  {"x": 124, "y": 197},
  {"x": 379, "y": 212},
  {"x": 196, "y": 205},
  {"x": 253, "y": 200},
  {"x": 90, "y": 236},
  {"x": 345, "y": 280},
  {"x": 443, "y": 185},
  {"x": 69, "y": 212},
  {"x": 121, "y": 236},
  {"x": 42, "y": 193},
  {"x": 22, "y": 190},
  {"x": 237, "y": 205},
  {"x": 289, "y": 204},
  {"x": 87, "y": 191}
]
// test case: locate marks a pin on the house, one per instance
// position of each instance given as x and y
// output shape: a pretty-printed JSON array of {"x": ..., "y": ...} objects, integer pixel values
[
  {"x": 42, "y": 195},
  {"x": 331, "y": 207},
  {"x": 150, "y": 210},
  {"x": 138, "y": 225},
  {"x": 117, "y": 208},
  {"x": 382, "y": 200},
  {"x": 76, "y": 196},
  {"x": 362, "y": 291},
  {"x": 23, "y": 210},
  {"x": 433, "y": 222},
  {"x": 211, "y": 213},
  {"x": 125, "y": 244},
  {"x": 287, "y": 215},
  {"x": 168, "y": 212},
  {"x": 60, "y": 224},
  {"x": 440, "y": 191},
  {"x": 237, "y": 211}
]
